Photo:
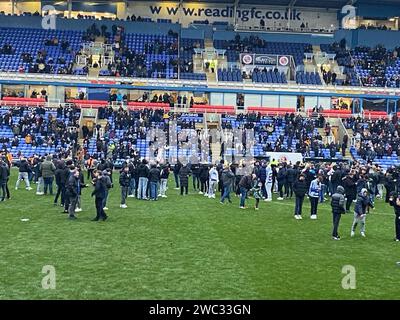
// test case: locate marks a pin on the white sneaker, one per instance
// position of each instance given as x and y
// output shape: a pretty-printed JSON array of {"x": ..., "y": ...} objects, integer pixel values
[
  {"x": 256, "y": 208},
  {"x": 16, "y": 188},
  {"x": 280, "y": 198},
  {"x": 39, "y": 193},
  {"x": 164, "y": 196},
  {"x": 177, "y": 188},
  {"x": 123, "y": 206},
  {"x": 131, "y": 196},
  {"x": 363, "y": 234},
  {"x": 206, "y": 194},
  {"x": 29, "y": 188},
  {"x": 200, "y": 192},
  {"x": 300, "y": 217},
  {"x": 78, "y": 210},
  {"x": 313, "y": 217},
  {"x": 352, "y": 234},
  {"x": 242, "y": 207},
  {"x": 296, "y": 217},
  {"x": 268, "y": 199},
  {"x": 105, "y": 208}
]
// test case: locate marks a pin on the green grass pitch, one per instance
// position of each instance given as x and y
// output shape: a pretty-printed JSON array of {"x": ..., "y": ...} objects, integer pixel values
[{"x": 191, "y": 248}]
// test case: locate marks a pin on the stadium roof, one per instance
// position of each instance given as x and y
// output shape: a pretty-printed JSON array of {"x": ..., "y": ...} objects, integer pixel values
[{"x": 334, "y": 4}]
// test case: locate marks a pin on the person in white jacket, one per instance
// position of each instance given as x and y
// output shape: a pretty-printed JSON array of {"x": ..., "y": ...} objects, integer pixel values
[
  {"x": 268, "y": 182},
  {"x": 213, "y": 181}
]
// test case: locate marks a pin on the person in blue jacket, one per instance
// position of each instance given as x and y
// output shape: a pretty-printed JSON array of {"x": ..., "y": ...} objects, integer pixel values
[{"x": 313, "y": 193}]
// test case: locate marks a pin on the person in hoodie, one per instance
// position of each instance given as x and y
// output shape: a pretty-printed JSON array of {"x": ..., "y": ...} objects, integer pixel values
[
  {"x": 61, "y": 177},
  {"x": 300, "y": 190},
  {"x": 154, "y": 179},
  {"x": 213, "y": 182},
  {"x": 227, "y": 178},
  {"x": 143, "y": 174},
  {"x": 360, "y": 212},
  {"x": 338, "y": 208},
  {"x": 23, "y": 175}
]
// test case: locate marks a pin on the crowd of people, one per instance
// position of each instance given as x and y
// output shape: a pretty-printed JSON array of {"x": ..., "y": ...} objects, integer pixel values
[
  {"x": 347, "y": 184},
  {"x": 375, "y": 138}
]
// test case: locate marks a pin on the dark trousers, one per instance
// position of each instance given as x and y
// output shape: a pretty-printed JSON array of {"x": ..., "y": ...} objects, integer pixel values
[
  {"x": 289, "y": 190},
  {"x": 48, "y": 183},
  {"x": 388, "y": 191},
  {"x": 336, "y": 220},
  {"x": 349, "y": 200},
  {"x": 100, "y": 214},
  {"x": 90, "y": 174},
  {"x": 176, "y": 176},
  {"x": 72, "y": 206},
  {"x": 226, "y": 194},
  {"x": 196, "y": 182},
  {"x": 314, "y": 205},
  {"x": 7, "y": 191},
  {"x": 204, "y": 186},
  {"x": 184, "y": 188},
  {"x": 67, "y": 202},
  {"x": 264, "y": 192},
  {"x": 280, "y": 189},
  {"x": 397, "y": 226},
  {"x": 60, "y": 192},
  {"x": 3, "y": 191},
  {"x": 299, "y": 205}
]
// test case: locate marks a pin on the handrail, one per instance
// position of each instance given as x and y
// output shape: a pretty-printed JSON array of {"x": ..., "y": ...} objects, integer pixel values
[{"x": 137, "y": 82}]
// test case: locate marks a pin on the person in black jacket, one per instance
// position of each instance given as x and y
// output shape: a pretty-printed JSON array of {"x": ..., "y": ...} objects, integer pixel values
[
  {"x": 99, "y": 192},
  {"x": 291, "y": 175},
  {"x": 350, "y": 188},
  {"x": 72, "y": 191},
  {"x": 24, "y": 170},
  {"x": 195, "y": 168},
  {"x": 245, "y": 184},
  {"x": 184, "y": 174},
  {"x": 281, "y": 178},
  {"x": 176, "y": 169},
  {"x": 394, "y": 201},
  {"x": 300, "y": 189},
  {"x": 143, "y": 174},
  {"x": 61, "y": 175},
  {"x": 390, "y": 185},
  {"x": 337, "y": 204},
  {"x": 124, "y": 182},
  {"x": 203, "y": 176},
  {"x": 154, "y": 179},
  {"x": 4, "y": 176}
]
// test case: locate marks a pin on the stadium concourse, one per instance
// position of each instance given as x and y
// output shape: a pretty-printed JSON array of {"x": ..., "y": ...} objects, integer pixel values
[{"x": 222, "y": 156}]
